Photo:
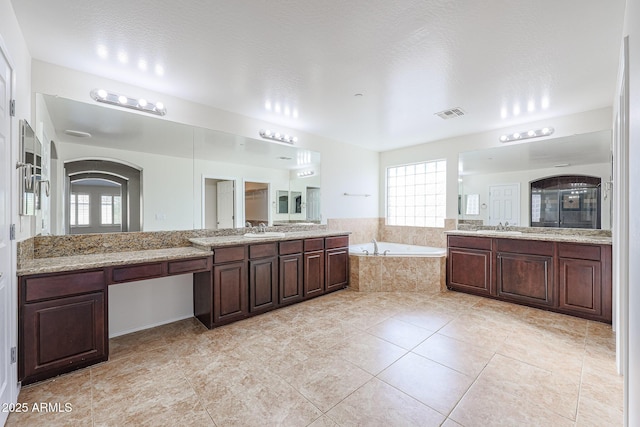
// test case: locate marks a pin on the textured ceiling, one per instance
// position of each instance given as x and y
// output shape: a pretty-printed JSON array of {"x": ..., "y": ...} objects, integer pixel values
[{"x": 300, "y": 63}]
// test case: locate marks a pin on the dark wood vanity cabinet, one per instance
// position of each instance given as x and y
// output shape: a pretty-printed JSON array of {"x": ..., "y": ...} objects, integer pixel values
[
  {"x": 263, "y": 277},
  {"x": 62, "y": 323},
  {"x": 337, "y": 263},
  {"x": 313, "y": 258},
  {"x": 570, "y": 278},
  {"x": 291, "y": 272},
  {"x": 524, "y": 271},
  {"x": 230, "y": 298},
  {"x": 585, "y": 280},
  {"x": 469, "y": 264}
]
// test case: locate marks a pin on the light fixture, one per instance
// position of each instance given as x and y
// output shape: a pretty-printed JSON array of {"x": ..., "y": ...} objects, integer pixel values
[
  {"x": 305, "y": 174},
  {"x": 141, "y": 104},
  {"x": 277, "y": 136},
  {"x": 533, "y": 133}
]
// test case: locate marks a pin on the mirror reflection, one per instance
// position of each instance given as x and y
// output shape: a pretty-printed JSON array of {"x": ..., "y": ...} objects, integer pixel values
[
  {"x": 114, "y": 170},
  {"x": 495, "y": 184}
]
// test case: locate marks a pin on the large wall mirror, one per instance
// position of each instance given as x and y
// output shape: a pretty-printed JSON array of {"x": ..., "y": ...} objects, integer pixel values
[
  {"x": 113, "y": 170},
  {"x": 495, "y": 183}
]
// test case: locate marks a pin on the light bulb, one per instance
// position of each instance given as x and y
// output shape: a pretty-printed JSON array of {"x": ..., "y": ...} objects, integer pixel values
[
  {"x": 159, "y": 106},
  {"x": 122, "y": 99},
  {"x": 102, "y": 93},
  {"x": 142, "y": 102}
]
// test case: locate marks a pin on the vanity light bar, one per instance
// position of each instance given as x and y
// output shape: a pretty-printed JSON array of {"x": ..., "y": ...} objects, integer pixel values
[
  {"x": 305, "y": 174},
  {"x": 141, "y": 104},
  {"x": 535, "y": 133},
  {"x": 278, "y": 136}
]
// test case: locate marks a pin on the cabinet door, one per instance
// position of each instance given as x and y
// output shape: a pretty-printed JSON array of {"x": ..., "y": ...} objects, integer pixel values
[
  {"x": 229, "y": 292},
  {"x": 61, "y": 335},
  {"x": 263, "y": 284},
  {"x": 580, "y": 286},
  {"x": 525, "y": 278},
  {"x": 469, "y": 270},
  {"x": 337, "y": 272},
  {"x": 290, "y": 278},
  {"x": 313, "y": 281}
]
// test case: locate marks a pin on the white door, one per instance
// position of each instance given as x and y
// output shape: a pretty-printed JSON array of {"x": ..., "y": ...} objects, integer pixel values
[
  {"x": 6, "y": 383},
  {"x": 225, "y": 192},
  {"x": 313, "y": 204},
  {"x": 504, "y": 204}
]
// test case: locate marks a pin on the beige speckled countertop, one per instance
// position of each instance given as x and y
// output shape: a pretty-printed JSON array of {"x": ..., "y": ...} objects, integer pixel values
[
  {"x": 560, "y": 237},
  {"x": 221, "y": 241},
  {"x": 83, "y": 262}
]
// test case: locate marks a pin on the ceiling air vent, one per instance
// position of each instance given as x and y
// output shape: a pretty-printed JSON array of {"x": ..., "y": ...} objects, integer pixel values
[{"x": 451, "y": 113}]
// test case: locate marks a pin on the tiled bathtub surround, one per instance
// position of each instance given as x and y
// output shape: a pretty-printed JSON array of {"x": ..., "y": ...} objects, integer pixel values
[
  {"x": 396, "y": 273},
  {"x": 364, "y": 229},
  {"x": 351, "y": 359}
]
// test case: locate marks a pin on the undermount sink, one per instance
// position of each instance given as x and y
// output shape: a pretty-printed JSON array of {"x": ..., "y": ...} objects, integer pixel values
[
  {"x": 265, "y": 235},
  {"x": 514, "y": 233}
]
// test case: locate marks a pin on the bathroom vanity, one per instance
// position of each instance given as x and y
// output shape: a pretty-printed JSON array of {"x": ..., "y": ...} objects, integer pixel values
[
  {"x": 569, "y": 274},
  {"x": 63, "y": 301}
]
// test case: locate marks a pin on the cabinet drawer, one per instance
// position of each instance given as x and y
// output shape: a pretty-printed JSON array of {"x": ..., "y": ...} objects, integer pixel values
[
  {"x": 291, "y": 247},
  {"x": 263, "y": 250},
  {"x": 137, "y": 272},
  {"x": 336, "y": 242},
  {"x": 533, "y": 247},
  {"x": 470, "y": 242},
  {"x": 313, "y": 244},
  {"x": 61, "y": 285},
  {"x": 235, "y": 253},
  {"x": 189, "y": 266},
  {"x": 568, "y": 250}
]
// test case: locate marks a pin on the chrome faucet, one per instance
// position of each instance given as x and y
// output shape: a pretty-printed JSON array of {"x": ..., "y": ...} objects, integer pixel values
[
  {"x": 262, "y": 227},
  {"x": 375, "y": 247},
  {"x": 248, "y": 224},
  {"x": 500, "y": 227}
]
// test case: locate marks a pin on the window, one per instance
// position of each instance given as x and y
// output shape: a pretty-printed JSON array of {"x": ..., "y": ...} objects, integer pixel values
[
  {"x": 416, "y": 194},
  {"x": 79, "y": 209},
  {"x": 110, "y": 209}
]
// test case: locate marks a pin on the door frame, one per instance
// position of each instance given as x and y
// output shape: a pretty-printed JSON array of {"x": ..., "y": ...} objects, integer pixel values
[
  {"x": 203, "y": 178},
  {"x": 14, "y": 386}
]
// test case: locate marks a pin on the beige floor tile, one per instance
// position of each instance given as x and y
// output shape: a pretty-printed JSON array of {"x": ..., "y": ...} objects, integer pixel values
[
  {"x": 458, "y": 355},
  {"x": 546, "y": 351},
  {"x": 554, "y": 392},
  {"x": 368, "y": 352},
  {"x": 378, "y": 404},
  {"x": 431, "y": 383},
  {"x": 477, "y": 330},
  {"x": 69, "y": 396},
  {"x": 400, "y": 333},
  {"x": 289, "y": 366},
  {"x": 430, "y": 318},
  {"x": 487, "y": 405},
  {"x": 593, "y": 412},
  {"x": 323, "y": 421},
  {"x": 325, "y": 379}
]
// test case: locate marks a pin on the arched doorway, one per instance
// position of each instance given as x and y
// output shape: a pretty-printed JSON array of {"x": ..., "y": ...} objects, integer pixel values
[{"x": 102, "y": 196}]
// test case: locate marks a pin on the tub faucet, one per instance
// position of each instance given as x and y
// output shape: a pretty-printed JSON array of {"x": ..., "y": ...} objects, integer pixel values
[{"x": 375, "y": 247}]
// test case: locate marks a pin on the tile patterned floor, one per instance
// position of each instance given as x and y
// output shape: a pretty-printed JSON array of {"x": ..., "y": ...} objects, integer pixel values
[{"x": 351, "y": 359}]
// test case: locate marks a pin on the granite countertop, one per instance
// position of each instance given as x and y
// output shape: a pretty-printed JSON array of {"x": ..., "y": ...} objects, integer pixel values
[
  {"x": 222, "y": 241},
  {"x": 82, "y": 262},
  {"x": 551, "y": 237}
]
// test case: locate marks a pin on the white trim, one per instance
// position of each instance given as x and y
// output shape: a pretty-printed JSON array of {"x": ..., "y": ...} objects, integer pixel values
[{"x": 13, "y": 219}]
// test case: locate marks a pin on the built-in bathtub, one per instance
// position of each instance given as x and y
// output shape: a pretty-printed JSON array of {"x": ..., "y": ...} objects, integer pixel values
[{"x": 397, "y": 267}]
